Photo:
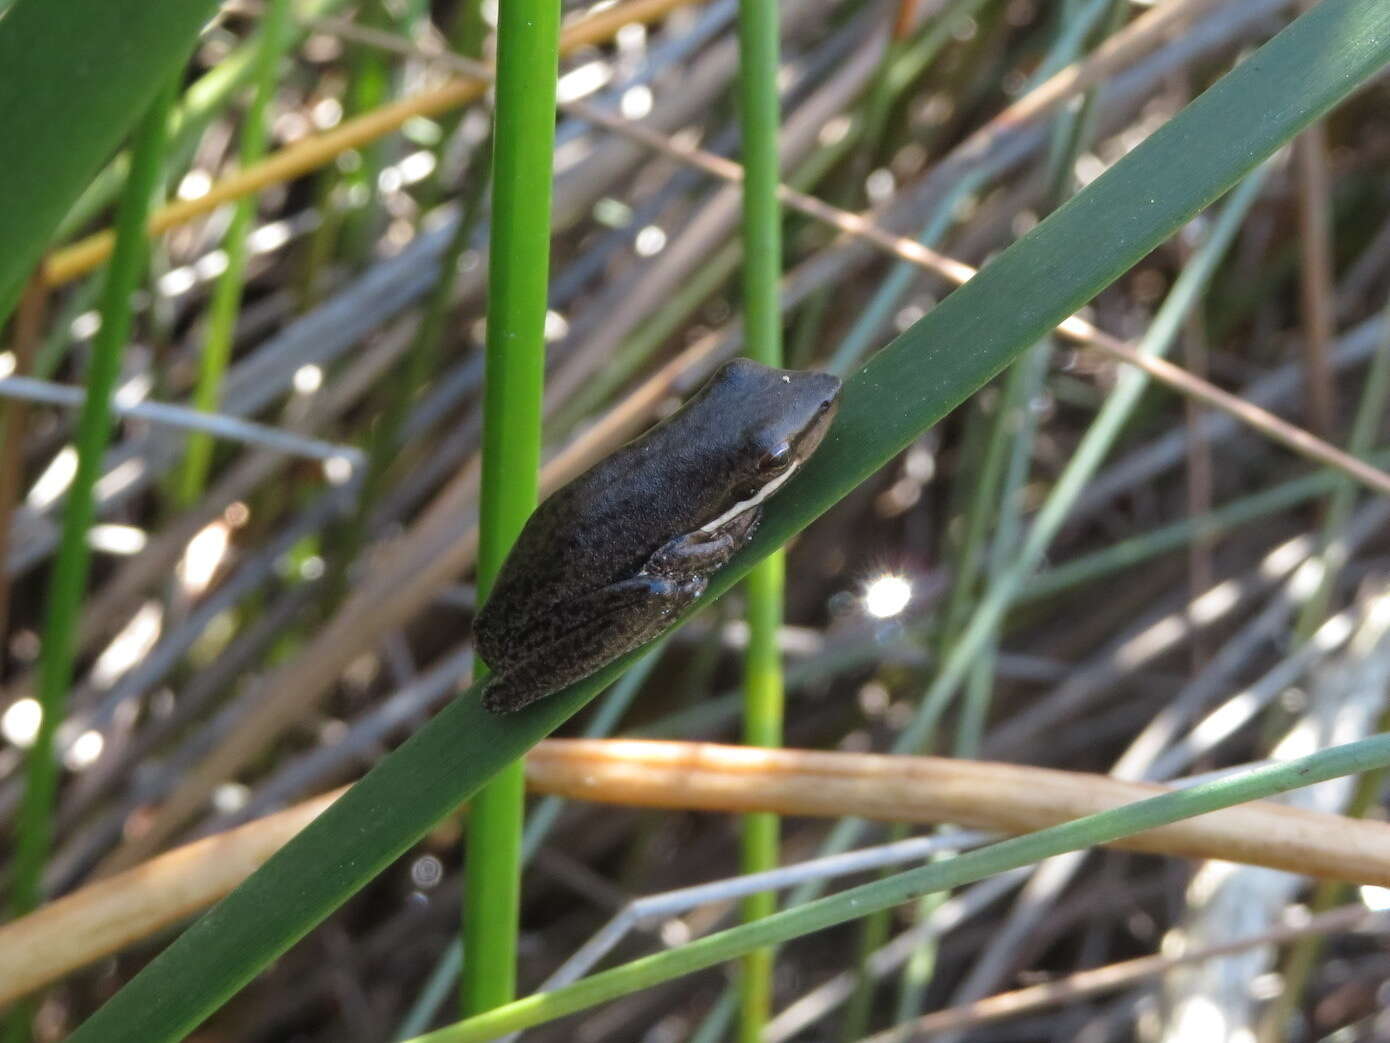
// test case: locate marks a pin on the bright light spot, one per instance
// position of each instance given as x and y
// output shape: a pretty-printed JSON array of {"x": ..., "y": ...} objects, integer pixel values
[
  {"x": 1333, "y": 634},
  {"x": 134, "y": 390},
  {"x": 55, "y": 480},
  {"x": 612, "y": 213},
  {"x": 327, "y": 113},
  {"x": 879, "y": 185},
  {"x": 874, "y": 699},
  {"x": 211, "y": 265},
  {"x": 6, "y": 363},
  {"x": 20, "y": 723},
  {"x": 269, "y": 237},
  {"x": 389, "y": 180},
  {"x": 1285, "y": 557},
  {"x": 177, "y": 281},
  {"x": 426, "y": 871},
  {"x": 556, "y": 326},
  {"x": 586, "y": 79},
  {"x": 116, "y": 539},
  {"x": 308, "y": 379},
  {"x": 907, "y": 315},
  {"x": 84, "y": 751},
  {"x": 1378, "y": 616},
  {"x": 131, "y": 645},
  {"x": 919, "y": 463},
  {"x": 205, "y": 553},
  {"x": 291, "y": 126},
  {"x": 1088, "y": 167},
  {"x": 834, "y": 130},
  {"x": 631, "y": 37},
  {"x": 230, "y": 797},
  {"x": 417, "y": 166},
  {"x": 195, "y": 184},
  {"x": 311, "y": 568},
  {"x": 887, "y": 596},
  {"x": 1200, "y": 1018},
  {"x": 650, "y": 241},
  {"x": 85, "y": 326},
  {"x": 120, "y": 478},
  {"x": 1376, "y": 899},
  {"x": 337, "y": 469},
  {"x": 421, "y": 131},
  {"x": 636, "y": 102},
  {"x": 1215, "y": 603},
  {"x": 1308, "y": 578},
  {"x": 674, "y": 933}
]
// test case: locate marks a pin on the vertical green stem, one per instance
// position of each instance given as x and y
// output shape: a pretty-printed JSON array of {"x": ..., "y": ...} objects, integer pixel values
[
  {"x": 69, "y": 576},
  {"x": 762, "y": 319},
  {"x": 519, "y": 261},
  {"x": 762, "y": 726},
  {"x": 370, "y": 87},
  {"x": 226, "y": 297},
  {"x": 466, "y": 36}
]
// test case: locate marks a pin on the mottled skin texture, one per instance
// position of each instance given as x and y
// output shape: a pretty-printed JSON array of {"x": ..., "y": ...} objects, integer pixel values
[{"x": 604, "y": 564}]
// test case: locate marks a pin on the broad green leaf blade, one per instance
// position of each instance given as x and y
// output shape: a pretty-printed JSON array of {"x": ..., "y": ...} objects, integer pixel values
[
  {"x": 77, "y": 74},
  {"x": 906, "y": 388}
]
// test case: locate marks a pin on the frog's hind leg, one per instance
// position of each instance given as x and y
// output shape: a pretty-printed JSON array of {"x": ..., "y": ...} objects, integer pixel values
[{"x": 616, "y": 620}]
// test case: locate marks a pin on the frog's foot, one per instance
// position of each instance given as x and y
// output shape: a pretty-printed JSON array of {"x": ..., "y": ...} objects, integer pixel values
[
  {"x": 704, "y": 552},
  {"x": 617, "y": 619}
]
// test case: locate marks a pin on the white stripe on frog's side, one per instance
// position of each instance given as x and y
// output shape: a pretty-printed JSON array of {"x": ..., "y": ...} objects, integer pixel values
[{"x": 752, "y": 501}]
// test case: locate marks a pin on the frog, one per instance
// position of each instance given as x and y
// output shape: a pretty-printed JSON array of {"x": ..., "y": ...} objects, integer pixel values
[{"x": 608, "y": 561}]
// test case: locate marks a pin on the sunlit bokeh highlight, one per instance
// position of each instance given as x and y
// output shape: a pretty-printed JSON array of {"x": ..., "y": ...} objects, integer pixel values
[
  {"x": 205, "y": 553},
  {"x": 20, "y": 723},
  {"x": 84, "y": 751},
  {"x": 886, "y": 596}
]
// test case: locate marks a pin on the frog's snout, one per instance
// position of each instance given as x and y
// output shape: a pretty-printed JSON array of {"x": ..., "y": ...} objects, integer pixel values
[
  {"x": 825, "y": 413},
  {"x": 828, "y": 387}
]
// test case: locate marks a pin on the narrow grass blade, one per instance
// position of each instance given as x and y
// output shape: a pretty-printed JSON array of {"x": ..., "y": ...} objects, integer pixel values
[{"x": 68, "y": 579}]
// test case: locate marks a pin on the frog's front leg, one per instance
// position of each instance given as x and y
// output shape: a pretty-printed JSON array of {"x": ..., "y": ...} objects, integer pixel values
[
  {"x": 576, "y": 639},
  {"x": 700, "y": 552}
]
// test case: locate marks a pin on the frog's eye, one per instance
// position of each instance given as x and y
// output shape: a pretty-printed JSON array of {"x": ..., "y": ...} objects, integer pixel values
[{"x": 775, "y": 459}]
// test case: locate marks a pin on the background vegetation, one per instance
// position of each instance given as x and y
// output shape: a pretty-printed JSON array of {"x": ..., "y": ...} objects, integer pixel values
[{"x": 252, "y": 266}]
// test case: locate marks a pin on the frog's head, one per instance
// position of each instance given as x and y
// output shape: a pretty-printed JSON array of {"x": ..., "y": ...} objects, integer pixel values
[{"x": 758, "y": 425}]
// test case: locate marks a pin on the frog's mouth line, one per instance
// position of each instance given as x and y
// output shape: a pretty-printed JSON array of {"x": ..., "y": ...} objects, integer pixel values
[{"x": 747, "y": 505}]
